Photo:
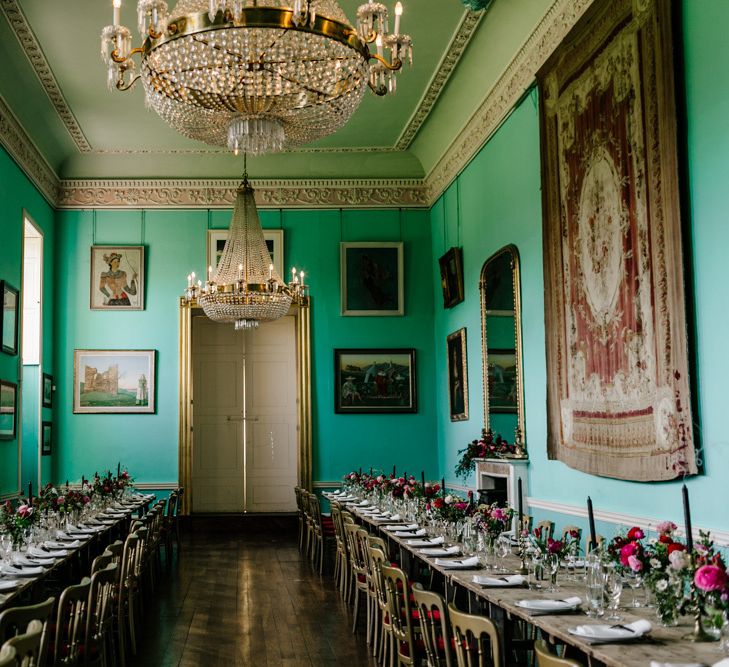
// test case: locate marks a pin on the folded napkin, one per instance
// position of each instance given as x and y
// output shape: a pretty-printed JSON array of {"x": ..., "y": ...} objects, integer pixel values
[
  {"x": 9, "y": 584},
  {"x": 410, "y": 526},
  {"x": 38, "y": 560},
  {"x": 611, "y": 633},
  {"x": 506, "y": 580},
  {"x": 441, "y": 551},
  {"x": 410, "y": 533},
  {"x": 23, "y": 571},
  {"x": 35, "y": 552},
  {"x": 550, "y": 606},
  {"x": 364, "y": 503},
  {"x": 430, "y": 542},
  {"x": 395, "y": 517},
  {"x": 721, "y": 663},
  {"x": 68, "y": 544},
  {"x": 458, "y": 564}
]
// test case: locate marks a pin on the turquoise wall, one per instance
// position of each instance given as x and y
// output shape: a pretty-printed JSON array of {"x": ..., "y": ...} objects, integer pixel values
[
  {"x": 496, "y": 201},
  {"x": 18, "y": 193},
  {"x": 175, "y": 244}
]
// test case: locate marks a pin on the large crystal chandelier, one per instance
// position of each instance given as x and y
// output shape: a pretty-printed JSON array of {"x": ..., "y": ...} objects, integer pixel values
[
  {"x": 258, "y": 76},
  {"x": 245, "y": 287}
]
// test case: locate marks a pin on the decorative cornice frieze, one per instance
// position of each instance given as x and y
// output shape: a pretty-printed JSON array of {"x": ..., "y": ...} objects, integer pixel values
[
  {"x": 361, "y": 193},
  {"x": 226, "y": 151},
  {"x": 20, "y": 147},
  {"x": 501, "y": 99},
  {"x": 453, "y": 54},
  {"x": 35, "y": 55}
]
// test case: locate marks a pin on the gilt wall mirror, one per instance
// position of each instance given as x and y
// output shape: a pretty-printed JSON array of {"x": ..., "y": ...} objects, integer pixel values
[{"x": 501, "y": 348}]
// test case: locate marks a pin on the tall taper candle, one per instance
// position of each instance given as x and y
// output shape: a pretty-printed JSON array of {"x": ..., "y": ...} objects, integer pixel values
[
  {"x": 370, "y": 471},
  {"x": 394, "y": 470},
  {"x": 520, "y": 507},
  {"x": 118, "y": 469},
  {"x": 442, "y": 486},
  {"x": 30, "y": 491},
  {"x": 422, "y": 478},
  {"x": 687, "y": 520},
  {"x": 591, "y": 519}
]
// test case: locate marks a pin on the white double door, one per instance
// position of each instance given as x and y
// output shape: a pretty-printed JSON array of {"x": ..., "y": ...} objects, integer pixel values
[{"x": 244, "y": 417}]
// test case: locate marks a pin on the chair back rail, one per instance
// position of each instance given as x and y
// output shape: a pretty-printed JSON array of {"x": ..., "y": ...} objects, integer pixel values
[
  {"x": 71, "y": 624},
  {"x": 401, "y": 614},
  {"x": 545, "y": 658},
  {"x": 15, "y": 620},
  {"x": 435, "y": 627},
  {"x": 476, "y": 639},
  {"x": 27, "y": 646}
]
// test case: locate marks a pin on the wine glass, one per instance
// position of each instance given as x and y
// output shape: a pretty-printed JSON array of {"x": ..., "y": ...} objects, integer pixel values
[
  {"x": 503, "y": 549},
  {"x": 635, "y": 579},
  {"x": 551, "y": 562},
  {"x": 534, "y": 568},
  {"x": 613, "y": 590}
]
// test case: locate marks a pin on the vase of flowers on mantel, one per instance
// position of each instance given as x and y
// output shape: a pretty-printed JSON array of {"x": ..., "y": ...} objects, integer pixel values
[{"x": 488, "y": 446}]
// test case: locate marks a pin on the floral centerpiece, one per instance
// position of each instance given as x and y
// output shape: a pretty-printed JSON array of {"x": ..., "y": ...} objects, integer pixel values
[
  {"x": 493, "y": 520},
  {"x": 487, "y": 446},
  {"x": 15, "y": 520},
  {"x": 450, "y": 508},
  {"x": 548, "y": 546},
  {"x": 709, "y": 586}
]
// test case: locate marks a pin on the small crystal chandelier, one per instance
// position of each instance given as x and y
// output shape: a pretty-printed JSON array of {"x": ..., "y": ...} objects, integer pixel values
[
  {"x": 258, "y": 76},
  {"x": 245, "y": 287}
]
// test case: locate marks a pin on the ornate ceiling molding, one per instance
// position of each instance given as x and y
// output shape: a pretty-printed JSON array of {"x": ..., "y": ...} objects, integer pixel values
[
  {"x": 502, "y": 98},
  {"x": 453, "y": 54},
  {"x": 32, "y": 49},
  {"x": 364, "y": 193},
  {"x": 226, "y": 151},
  {"x": 19, "y": 146}
]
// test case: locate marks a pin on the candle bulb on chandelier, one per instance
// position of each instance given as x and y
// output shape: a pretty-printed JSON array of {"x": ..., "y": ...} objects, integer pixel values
[
  {"x": 240, "y": 272},
  {"x": 378, "y": 42},
  {"x": 398, "y": 14},
  {"x": 270, "y": 271},
  {"x": 210, "y": 272},
  {"x": 117, "y": 11},
  {"x": 302, "y": 279},
  {"x": 189, "y": 280}
]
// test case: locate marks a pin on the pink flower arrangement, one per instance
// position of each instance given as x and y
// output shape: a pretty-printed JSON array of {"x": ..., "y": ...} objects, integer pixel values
[
  {"x": 635, "y": 564},
  {"x": 627, "y": 552},
  {"x": 635, "y": 533},
  {"x": 25, "y": 511},
  {"x": 710, "y": 578},
  {"x": 666, "y": 527}
]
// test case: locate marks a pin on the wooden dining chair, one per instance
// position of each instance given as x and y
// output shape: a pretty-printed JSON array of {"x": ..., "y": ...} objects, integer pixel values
[
  {"x": 300, "y": 517},
  {"x": 568, "y": 530},
  {"x": 364, "y": 544},
  {"x": 435, "y": 627},
  {"x": 15, "y": 620},
  {"x": 382, "y": 631},
  {"x": 406, "y": 652},
  {"x": 168, "y": 523},
  {"x": 27, "y": 646},
  {"x": 128, "y": 596},
  {"x": 340, "y": 553},
  {"x": 547, "y": 528},
  {"x": 101, "y": 562},
  {"x": 358, "y": 569},
  {"x": 476, "y": 639},
  {"x": 98, "y": 640},
  {"x": 545, "y": 657},
  {"x": 71, "y": 624},
  {"x": 7, "y": 656}
]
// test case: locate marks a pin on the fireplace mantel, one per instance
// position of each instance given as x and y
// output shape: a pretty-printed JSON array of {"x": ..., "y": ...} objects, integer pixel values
[{"x": 488, "y": 471}]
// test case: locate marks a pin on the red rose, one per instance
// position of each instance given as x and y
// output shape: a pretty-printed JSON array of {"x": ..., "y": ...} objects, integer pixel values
[
  {"x": 665, "y": 539},
  {"x": 675, "y": 546},
  {"x": 635, "y": 533}
]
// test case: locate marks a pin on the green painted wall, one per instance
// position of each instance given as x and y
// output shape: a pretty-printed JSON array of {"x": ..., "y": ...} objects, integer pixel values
[
  {"x": 175, "y": 244},
  {"x": 18, "y": 193},
  {"x": 496, "y": 201}
]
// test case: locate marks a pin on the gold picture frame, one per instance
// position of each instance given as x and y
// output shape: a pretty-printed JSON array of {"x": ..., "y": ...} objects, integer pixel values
[
  {"x": 117, "y": 277},
  {"x": 457, "y": 375}
]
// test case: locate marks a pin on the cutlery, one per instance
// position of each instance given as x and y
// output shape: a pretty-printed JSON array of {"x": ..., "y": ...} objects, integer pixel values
[{"x": 618, "y": 626}]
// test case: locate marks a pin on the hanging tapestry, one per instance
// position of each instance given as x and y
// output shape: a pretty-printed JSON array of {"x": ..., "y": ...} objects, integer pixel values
[{"x": 617, "y": 362}]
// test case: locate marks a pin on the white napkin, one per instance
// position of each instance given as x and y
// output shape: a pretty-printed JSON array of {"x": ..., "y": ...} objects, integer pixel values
[
  {"x": 611, "y": 633},
  {"x": 410, "y": 533},
  {"x": 75, "y": 544},
  {"x": 51, "y": 553},
  {"x": 38, "y": 560},
  {"x": 506, "y": 580},
  {"x": 655, "y": 663},
  {"x": 549, "y": 606},
  {"x": 20, "y": 572},
  {"x": 8, "y": 584},
  {"x": 430, "y": 542},
  {"x": 462, "y": 564},
  {"x": 395, "y": 517},
  {"x": 446, "y": 551},
  {"x": 364, "y": 503},
  {"x": 411, "y": 526}
]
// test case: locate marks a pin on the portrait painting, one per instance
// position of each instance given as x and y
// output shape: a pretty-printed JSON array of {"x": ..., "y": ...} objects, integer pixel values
[
  {"x": 117, "y": 277},
  {"x": 47, "y": 391},
  {"x": 372, "y": 278},
  {"x": 274, "y": 239},
  {"x": 457, "y": 375},
  {"x": 8, "y": 409},
  {"x": 374, "y": 381},
  {"x": 618, "y": 392},
  {"x": 502, "y": 380},
  {"x": 451, "y": 277},
  {"x": 9, "y": 318},
  {"x": 46, "y": 438},
  {"x": 114, "y": 381}
]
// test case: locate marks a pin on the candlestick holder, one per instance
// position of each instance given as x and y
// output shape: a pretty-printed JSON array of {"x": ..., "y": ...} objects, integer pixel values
[
  {"x": 522, "y": 546},
  {"x": 699, "y": 634}
]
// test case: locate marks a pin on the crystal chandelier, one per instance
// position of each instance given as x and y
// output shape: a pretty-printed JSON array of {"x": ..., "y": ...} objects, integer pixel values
[
  {"x": 245, "y": 287},
  {"x": 258, "y": 76}
]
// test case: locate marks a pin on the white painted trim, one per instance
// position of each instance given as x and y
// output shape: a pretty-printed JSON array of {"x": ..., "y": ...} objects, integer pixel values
[
  {"x": 721, "y": 537},
  {"x": 9, "y": 496},
  {"x": 327, "y": 485},
  {"x": 162, "y": 486}
]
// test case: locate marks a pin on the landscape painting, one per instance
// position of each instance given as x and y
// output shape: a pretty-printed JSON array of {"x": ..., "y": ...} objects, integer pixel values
[
  {"x": 117, "y": 381},
  {"x": 374, "y": 381},
  {"x": 502, "y": 381}
]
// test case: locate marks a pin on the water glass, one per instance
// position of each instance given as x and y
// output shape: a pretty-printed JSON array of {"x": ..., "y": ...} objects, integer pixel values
[
  {"x": 535, "y": 568},
  {"x": 595, "y": 591},
  {"x": 503, "y": 549},
  {"x": 634, "y": 581},
  {"x": 613, "y": 590},
  {"x": 551, "y": 564}
]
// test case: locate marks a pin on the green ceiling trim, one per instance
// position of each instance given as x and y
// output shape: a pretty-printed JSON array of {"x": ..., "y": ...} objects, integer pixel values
[
  {"x": 34, "y": 53},
  {"x": 518, "y": 76}
]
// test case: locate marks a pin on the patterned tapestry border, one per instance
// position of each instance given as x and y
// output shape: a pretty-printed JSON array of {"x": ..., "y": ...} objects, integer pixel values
[{"x": 221, "y": 194}]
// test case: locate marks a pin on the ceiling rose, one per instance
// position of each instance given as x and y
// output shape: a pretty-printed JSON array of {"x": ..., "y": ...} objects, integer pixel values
[{"x": 258, "y": 76}]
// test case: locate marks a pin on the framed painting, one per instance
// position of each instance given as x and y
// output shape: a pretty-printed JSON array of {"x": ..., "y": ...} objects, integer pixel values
[
  {"x": 8, "y": 409},
  {"x": 47, "y": 391},
  {"x": 502, "y": 380},
  {"x": 274, "y": 242},
  {"x": 372, "y": 278},
  {"x": 451, "y": 277},
  {"x": 618, "y": 388},
  {"x": 9, "y": 318},
  {"x": 457, "y": 375},
  {"x": 46, "y": 438},
  {"x": 117, "y": 277},
  {"x": 113, "y": 381},
  {"x": 369, "y": 381}
]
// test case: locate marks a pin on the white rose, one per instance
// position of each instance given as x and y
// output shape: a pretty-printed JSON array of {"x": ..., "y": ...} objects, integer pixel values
[
  {"x": 652, "y": 541},
  {"x": 678, "y": 560},
  {"x": 448, "y": 499},
  {"x": 662, "y": 585},
  {"x": 655, "y": 563}
]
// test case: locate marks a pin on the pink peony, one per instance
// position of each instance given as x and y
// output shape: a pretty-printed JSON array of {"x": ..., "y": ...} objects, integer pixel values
[
  {"x": 666, "y": 527},
  {"x": 554, "y": 546},
  {"x": 25, "y": 510},
  {"x": 630, "y": 549},
  {"x": 498, "y": 514},
  {"x": 635, "y": 533},
  {"x": 678, "y": 560},
  {"x": 61, "y": 500},
  {"x": 710, "y": 578},
  {"x": 635, "y": 564}
]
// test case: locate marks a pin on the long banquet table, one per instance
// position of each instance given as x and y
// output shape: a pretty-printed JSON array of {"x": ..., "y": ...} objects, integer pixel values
[
  {"x": 664, "y": 645},
  {"x": 80, "y": 555}
]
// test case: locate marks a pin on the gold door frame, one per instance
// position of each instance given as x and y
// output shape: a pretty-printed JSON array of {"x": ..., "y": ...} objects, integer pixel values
[{"x": 301, "y": 314}]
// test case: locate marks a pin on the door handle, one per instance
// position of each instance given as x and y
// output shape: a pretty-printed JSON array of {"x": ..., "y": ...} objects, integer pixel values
[
  {"x": 234, "y": 419},
  {"x": 250, "y": 419}
]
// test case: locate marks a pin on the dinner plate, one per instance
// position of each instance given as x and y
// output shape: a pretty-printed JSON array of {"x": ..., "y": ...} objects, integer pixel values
[
  {"x": 440, "y": 551},
  {"x": 430, "y": 542},
  {"x": 545, "y": 606},
  {"x": 23, "y": 572},
  {"x": 602, "y": 633},
  {"x": 499, "y": 582},
  {"x": 458, "y": 563},
  {"x": 9, "y": 584}
]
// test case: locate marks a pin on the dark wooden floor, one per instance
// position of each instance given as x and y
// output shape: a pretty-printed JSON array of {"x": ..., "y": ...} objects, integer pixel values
[{"x": 245, "y": 597}]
